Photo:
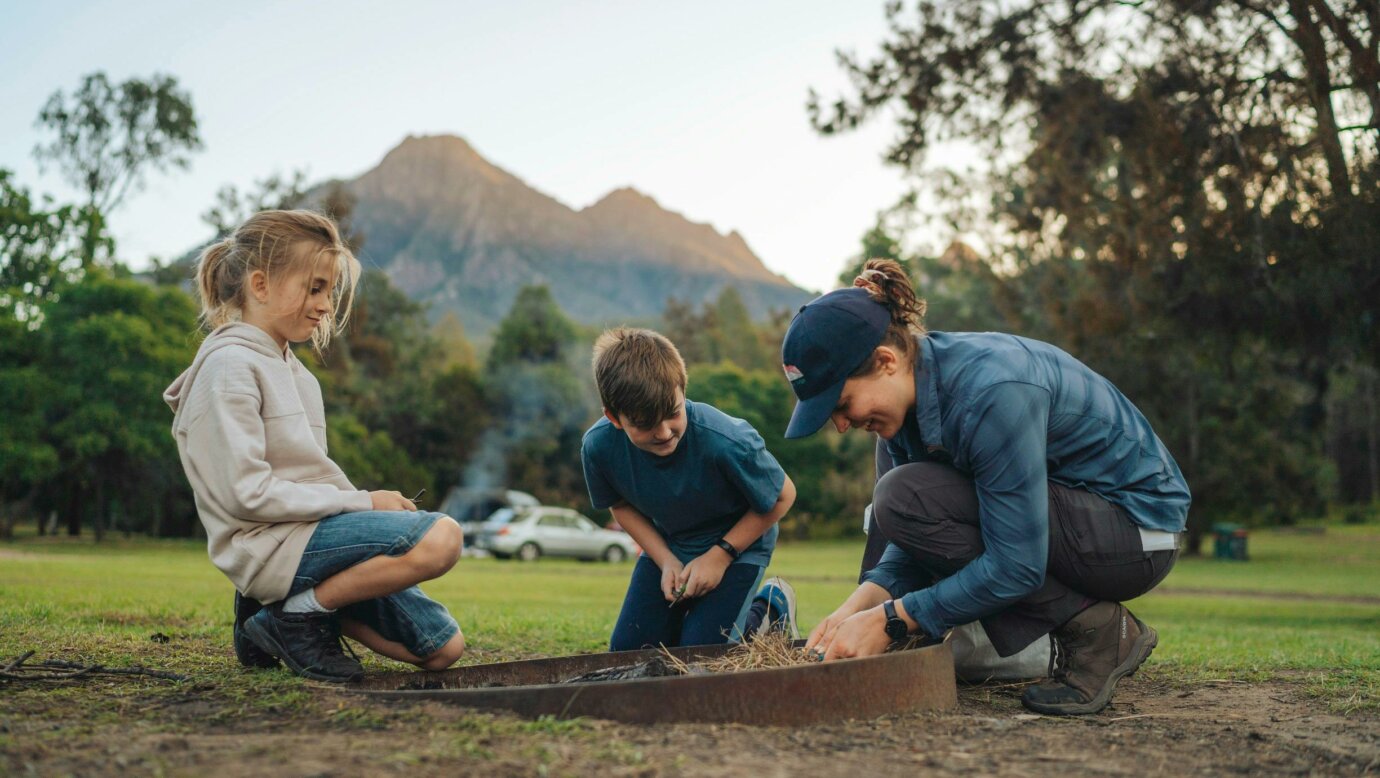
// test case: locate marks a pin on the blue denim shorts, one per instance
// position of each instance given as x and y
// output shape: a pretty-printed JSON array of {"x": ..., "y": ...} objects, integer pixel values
[{"x": 408, "y": 617}]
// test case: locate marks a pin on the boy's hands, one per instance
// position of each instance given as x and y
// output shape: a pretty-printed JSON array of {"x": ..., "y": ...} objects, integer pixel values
[
  {"x": 391, "y": 501},
  {"x": 670, "y": 572},
  {"x": 704, "y": 573}
]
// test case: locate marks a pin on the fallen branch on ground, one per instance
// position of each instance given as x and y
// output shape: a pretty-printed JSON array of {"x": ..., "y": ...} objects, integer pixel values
[{"x": 21, "y": 669}]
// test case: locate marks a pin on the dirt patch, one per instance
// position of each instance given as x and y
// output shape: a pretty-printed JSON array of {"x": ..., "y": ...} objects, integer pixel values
[{"x": 1153, "y": 727}]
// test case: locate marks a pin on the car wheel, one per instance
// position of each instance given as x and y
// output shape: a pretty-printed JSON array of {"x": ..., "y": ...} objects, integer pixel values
[
  {"x": 615, "y": 554},
  {"x": 529, "y": 552}
]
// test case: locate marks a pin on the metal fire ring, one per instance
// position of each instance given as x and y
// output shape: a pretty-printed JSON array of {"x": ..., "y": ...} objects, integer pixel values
[{"x": 896, "y": 682}]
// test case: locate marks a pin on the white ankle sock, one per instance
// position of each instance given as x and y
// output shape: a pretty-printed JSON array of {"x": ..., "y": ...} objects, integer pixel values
[{"x": 305, "y": 602}]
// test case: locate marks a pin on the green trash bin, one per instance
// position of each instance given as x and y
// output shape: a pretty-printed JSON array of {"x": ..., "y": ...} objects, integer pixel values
[{"x": 1229, "y": 541}]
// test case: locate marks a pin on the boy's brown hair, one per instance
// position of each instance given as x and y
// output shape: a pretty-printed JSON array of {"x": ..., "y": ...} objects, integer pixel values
[{"x": 638, "y": 373}]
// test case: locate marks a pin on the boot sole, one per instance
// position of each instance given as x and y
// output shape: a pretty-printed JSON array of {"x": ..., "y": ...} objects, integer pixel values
[
  {"x": 265, "y": 641},
  {"x": 1140, "y": 651}
]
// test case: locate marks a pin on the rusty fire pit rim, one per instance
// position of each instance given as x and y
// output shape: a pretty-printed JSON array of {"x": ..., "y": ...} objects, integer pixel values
[{"x": 359, "y": 688}]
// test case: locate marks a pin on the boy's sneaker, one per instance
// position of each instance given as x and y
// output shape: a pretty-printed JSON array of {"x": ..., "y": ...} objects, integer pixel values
[
  {"x": 308, "y": 643},
  {"x": 249, "y": 654},
  {"x": 780, "y": 599},
  {"x": 1097, "y": 648}
]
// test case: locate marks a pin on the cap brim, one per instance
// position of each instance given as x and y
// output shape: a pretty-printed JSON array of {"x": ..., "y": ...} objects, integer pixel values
[{"x": 809, "y": 415}]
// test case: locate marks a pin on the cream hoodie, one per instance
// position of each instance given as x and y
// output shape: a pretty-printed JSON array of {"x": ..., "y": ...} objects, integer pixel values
[{"x": 251, "y": 431}]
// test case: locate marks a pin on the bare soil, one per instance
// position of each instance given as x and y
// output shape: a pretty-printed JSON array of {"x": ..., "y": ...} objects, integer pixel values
[{"x": 1152, "y": 728}]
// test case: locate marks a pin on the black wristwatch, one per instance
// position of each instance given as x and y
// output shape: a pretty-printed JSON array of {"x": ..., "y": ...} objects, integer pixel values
[{"x": 896, "y": 629}]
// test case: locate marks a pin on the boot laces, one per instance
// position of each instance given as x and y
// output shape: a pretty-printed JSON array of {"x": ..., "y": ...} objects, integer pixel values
[
  {"x": 1061, "y": 658},
  {"x": 332, "y": 639}
]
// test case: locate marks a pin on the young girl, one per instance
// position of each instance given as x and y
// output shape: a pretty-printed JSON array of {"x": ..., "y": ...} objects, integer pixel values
[{"x": 282, "y": 521}]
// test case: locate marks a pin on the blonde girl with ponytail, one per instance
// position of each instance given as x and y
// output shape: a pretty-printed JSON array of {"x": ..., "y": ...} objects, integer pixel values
[
  {"x": 1016, "y": 487},
  {"x": 312, "y": 557}
]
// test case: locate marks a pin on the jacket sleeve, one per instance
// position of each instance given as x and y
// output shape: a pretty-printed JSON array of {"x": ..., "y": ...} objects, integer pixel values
[
  {"x": 225, "y": 447},
  {"x": 1005, "y": 437}
]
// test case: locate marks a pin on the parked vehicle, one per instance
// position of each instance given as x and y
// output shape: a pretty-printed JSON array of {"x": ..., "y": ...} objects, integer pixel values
[
  {"x": 530, "y": 533},
  {"x": 471, "y": 507}
]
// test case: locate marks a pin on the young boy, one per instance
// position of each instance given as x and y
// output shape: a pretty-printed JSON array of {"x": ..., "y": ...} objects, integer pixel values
[{"x": 696, "y": 488}]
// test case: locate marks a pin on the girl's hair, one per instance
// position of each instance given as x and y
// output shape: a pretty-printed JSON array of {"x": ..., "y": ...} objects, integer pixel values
[
  {"x": 276, "y": 242},
  {"x": 886, "y": 282}
]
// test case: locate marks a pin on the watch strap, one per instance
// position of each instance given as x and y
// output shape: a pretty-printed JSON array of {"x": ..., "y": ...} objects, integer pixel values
[{"x": 728, "y": 548}]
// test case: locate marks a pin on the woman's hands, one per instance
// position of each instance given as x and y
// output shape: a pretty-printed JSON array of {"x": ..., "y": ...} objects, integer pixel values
[
  {"x": 836, "y": 626},
  {"x": 862, "y": 634},
  {"x": 391, "y": 501}
]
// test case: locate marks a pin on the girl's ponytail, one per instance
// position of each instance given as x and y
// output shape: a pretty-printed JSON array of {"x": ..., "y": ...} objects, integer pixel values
[
  {"x": 888, "y": 284},
  {"x": 219, "y": 283}
]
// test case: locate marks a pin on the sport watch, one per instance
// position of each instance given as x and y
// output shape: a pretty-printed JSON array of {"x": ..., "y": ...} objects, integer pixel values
[{"x": 896, "y": 629}]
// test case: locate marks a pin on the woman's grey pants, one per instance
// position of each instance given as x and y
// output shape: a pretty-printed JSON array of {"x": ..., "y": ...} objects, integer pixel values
[{"x": 930, "y": 510}]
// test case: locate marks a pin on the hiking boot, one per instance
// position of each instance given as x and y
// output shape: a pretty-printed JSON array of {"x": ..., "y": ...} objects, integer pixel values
[
  {"x": 780, "y": 599},
  {"x": 1090, "y": 653},
  {"x": 249, "y": 654},
  {"x": 308, "y": 643}
]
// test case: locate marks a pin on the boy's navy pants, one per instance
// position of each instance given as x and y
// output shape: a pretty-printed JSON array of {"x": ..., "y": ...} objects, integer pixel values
[{"x": 648, "y": 621}]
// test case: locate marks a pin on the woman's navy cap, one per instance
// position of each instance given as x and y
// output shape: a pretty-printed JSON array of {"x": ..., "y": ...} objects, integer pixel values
[{"x": 829, "y": 338}]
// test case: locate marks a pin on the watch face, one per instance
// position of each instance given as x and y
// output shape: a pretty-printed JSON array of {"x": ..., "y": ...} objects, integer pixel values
[{"x": 896, "y": 629}]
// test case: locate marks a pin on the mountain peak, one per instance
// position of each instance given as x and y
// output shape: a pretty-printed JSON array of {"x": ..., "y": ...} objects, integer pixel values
[
  {"x": 450, "y": 144},
  {"x": 625, "y": 200},
  {"x": 453, "y": 229}
]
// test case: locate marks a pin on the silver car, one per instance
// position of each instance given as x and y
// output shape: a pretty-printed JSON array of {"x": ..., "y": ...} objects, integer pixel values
[{"x": 529, "y": 533}]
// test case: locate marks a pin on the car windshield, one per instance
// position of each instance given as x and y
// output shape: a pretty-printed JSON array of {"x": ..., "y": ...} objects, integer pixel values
[{"x": 501, "y": 516}]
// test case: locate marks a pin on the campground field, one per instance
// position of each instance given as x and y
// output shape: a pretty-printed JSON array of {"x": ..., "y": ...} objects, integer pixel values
[{"x": 1270, "y": 665}]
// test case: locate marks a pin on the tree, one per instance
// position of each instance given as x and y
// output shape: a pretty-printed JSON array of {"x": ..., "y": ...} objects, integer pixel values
[
  {"x": 108, "y": 136},
  {"x": 720, "y": 331},
  {"x": 276, "y": 192},
  {"x": 1172, "y": 192},
  {"x": 1194, "y": 148},
  {"x": 27, "y": 458},
  {"x": 110, "y": 347},
  {"x": 535, "y": 330},
  {"x": 40, "y": 249}
]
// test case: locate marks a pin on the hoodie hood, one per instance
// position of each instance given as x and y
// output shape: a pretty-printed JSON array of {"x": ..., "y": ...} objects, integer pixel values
[{"x": 233, "y": 334}]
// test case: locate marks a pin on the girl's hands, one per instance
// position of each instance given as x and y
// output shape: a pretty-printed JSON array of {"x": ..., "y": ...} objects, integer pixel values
[
  {"x": 704, "y": 573},
  {"x": 391, "y": 501},
  {"x": 670, "y": 573}
]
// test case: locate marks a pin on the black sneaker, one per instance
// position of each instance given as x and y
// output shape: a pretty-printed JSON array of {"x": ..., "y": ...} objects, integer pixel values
[
  {"x": 249, "y": 654},
  {"x": 308, "y": 643}
]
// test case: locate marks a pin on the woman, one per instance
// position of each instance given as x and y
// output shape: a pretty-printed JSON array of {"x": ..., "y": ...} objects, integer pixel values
[{"x": 1026, "y": 492}]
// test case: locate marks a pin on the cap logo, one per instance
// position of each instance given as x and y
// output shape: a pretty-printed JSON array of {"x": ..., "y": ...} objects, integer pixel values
[{"x": 793, "y": 373}]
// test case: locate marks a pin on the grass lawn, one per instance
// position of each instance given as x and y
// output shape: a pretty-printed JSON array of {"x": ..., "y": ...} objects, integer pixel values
[{"x": 1305, "y": 605}]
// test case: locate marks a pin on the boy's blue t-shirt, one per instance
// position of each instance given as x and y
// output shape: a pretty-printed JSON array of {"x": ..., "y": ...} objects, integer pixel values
[{"x": 720, "y": 470}]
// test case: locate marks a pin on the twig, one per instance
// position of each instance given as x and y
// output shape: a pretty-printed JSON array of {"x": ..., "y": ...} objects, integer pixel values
[
  {"x": 1166, "y": 716},
  {"x": 19, "y": 660}
]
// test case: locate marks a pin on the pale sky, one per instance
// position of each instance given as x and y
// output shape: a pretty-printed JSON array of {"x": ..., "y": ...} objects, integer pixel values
[{"x": 700, "y": 105}]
